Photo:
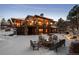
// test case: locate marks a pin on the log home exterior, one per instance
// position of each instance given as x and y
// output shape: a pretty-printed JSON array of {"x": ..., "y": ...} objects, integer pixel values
[
  {"x": 39, "y": 24},
  {"x": 36, "y": 25},
  {"x": 17, "y": 22}
]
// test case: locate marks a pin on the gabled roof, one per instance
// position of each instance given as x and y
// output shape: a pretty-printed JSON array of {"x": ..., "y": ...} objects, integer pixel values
[
  {"x": 18, "y": 19},
  {"x": 44, "y": 18},
  {"x": 39, "y": 17}
]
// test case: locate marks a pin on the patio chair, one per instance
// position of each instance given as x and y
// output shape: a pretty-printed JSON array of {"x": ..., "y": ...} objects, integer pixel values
[
  {"x": 34, "y": 45},
  {"x": 57, "y": 45}
]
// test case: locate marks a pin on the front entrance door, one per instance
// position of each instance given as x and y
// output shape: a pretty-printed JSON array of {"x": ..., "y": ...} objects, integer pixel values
[{"x": 31, "y": 31}]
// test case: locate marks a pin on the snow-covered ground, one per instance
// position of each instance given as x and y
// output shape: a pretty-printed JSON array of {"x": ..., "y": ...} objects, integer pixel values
[{"x": 20, "y": 45}]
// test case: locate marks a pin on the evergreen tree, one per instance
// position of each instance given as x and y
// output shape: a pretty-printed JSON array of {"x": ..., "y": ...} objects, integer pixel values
[
  {"x": 61, "y": 25},
  {"x": 73, "y": 16},
  {"x": 3, "y": 23}
]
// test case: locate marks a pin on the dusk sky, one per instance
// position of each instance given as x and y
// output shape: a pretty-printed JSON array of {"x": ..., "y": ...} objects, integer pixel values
[{"x": 54, "y": 11}]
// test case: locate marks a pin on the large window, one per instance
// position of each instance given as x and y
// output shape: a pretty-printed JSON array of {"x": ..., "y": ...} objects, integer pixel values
[{"x": 40, "y": 30}]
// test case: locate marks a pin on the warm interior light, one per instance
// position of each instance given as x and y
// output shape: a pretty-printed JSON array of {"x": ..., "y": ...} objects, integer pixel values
[
  {"x": 32, "y": 21},
  {"x": 47, "y": 23},
  {"x": 46, "y": 30},
  {"x": 51, "y": 23},
  {"x": 40, "y": 30},
  {"x": 40, "y": 23},
  {"x": 17, "y": 24}
]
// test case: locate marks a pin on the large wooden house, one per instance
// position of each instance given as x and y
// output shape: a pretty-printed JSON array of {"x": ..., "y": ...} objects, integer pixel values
[
  {"x": 17, "y": 22},
  {"x": 35, "y": 25},
  {"x": 39, "y": 24}
]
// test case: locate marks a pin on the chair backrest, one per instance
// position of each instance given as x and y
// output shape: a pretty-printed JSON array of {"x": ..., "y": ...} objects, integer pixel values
[
  {"x": 31, "y": 43},
  {"x": 55, "y": 37},
  {"x": 60, "y": 43}
]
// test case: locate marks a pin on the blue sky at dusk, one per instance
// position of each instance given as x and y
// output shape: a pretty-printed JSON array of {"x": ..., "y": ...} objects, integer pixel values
[{"x": 54, "y": 11}]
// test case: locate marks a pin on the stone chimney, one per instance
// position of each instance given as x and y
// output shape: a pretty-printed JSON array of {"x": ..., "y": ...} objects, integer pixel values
[{"x": 41, "y": 14}]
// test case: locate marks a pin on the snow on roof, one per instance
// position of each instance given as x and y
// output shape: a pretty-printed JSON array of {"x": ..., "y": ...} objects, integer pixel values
[{"x": 18, "y": 18}]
